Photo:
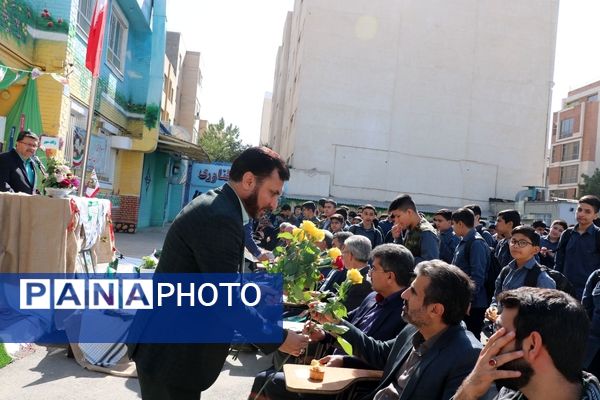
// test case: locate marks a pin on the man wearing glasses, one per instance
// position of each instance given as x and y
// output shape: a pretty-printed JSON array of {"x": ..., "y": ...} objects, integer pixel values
[{"x": 17, "y": 172}]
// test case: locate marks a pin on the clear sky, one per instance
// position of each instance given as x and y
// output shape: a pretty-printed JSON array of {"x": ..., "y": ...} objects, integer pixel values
[{"x": 239, "y": 39}]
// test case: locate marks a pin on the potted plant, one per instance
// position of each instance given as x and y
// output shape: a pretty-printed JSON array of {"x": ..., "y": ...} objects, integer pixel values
[
  {"x": 148, "y": 265},
  {"x": 60, "y": 180}
]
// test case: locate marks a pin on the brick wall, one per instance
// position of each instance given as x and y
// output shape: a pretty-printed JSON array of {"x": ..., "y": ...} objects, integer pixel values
[
  {"x": 574, "y": 113},
  {"x": 557, "y": 152},
  {"x": 126, "y": 215},
  {"x": 553, "y": 176},
  {"x": 590, "y": 127}
]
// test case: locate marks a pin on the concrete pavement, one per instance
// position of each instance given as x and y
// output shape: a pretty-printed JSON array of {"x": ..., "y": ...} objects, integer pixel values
[{"x": 46, "y": 372}]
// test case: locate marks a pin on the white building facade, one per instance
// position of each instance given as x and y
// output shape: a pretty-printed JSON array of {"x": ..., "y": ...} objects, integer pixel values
[{"x": 447, "y": 101}]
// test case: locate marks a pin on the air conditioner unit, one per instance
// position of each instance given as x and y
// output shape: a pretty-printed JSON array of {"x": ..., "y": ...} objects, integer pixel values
[
  {"x": 178, "y": 171},
  {"x": 120, "y": 142},
  {"x": 108, "y": 127}
]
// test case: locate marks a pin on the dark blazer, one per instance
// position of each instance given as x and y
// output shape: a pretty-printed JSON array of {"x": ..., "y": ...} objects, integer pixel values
[
  {"x": 334, "y": 276},
  {"x": 357, "y": 293},
  {"x": 440, "y": 371},
  {"x": 13, "y": 176},
  {"x": 388, "y": 323},
  {"x": 206, "y": 237}
]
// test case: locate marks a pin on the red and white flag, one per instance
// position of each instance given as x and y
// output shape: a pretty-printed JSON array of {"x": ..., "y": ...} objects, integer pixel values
[
  {"x": 92, "y": 186},
  {"x": 96, "y": 37}
]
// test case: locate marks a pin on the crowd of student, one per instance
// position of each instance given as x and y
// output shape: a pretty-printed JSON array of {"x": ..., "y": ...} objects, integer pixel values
[{"x": 449, "y": 279}]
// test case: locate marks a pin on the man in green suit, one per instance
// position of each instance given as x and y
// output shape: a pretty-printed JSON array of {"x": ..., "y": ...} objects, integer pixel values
[{"x": 208, "y": 237}]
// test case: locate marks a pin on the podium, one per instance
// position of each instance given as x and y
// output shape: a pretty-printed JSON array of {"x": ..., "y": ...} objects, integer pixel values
[{"x": 47, "y": 235}]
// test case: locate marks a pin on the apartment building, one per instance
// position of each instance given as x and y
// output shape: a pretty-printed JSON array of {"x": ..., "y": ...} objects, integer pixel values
[
  {"x": 447, "y": 103},
  {"x": 574, "y": 144}
]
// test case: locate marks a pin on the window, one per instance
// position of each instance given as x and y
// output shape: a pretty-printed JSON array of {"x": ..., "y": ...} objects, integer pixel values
[
  {"x": 117, "y": 39},
  {"x": 84, "y": 16},
  {"x": 561, "y": 194},
  {"x": 569, "y": 174},
  {"x": 566, "y": 128},
  {"x": 570, "y": 151}
]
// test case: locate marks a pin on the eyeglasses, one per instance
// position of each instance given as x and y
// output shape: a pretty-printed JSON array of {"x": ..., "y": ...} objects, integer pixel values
[
  {"x": 519, "y": 243},
  {"x": 372, "y": 270},
  {"x": 32, "y": 145}
]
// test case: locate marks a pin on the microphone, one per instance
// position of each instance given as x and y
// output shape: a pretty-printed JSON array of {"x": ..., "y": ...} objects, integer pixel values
[{"x": 40, "y": 165}]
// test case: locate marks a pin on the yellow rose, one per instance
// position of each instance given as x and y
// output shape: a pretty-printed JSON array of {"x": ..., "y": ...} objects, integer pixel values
[
  {"x": 354, "y": 276},
  {"x": 319, "y": 235},
  {"x": 308, "y": 226},
  {"x": 334, "y": 253},
  {"x": 296, "y": 231}
]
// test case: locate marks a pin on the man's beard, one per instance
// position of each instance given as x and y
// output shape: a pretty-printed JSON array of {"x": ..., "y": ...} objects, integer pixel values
[
  {"x": 413, "y": 317},
  {"x": 251, "y": 204},
  {"x": 516, "y": 365}
]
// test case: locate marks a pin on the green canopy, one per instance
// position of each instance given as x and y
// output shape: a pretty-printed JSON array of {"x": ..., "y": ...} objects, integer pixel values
[{"x": 25, "y": 115}]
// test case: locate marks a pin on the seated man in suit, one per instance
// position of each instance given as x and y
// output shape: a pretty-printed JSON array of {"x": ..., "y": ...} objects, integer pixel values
[
  {"x": 378, "y": 316},
  {"x": 434, "y": 353},
  {"x": 17, "y": 172},
  {"x": 335, "y": 275},
  {"x": 356, "y": 255}
]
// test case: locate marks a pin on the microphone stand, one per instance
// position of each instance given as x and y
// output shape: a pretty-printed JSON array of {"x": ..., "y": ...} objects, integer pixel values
[{"x": 40, "y": 166}]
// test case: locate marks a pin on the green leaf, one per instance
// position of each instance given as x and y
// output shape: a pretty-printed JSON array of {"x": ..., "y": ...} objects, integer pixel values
[
  {"x": 290, "y": 268},
  {"x": 339, "y": 310},
  {"x": 324, "y": 262},
  {"x": 307, "y": 296},
  {"x": 297, "y": 294},
  {"x": 285, "y": 235},
  {"x": 346, "y": 346},
  {"x": 279, "y": 250},
  {"x": 335, "y": 329}
]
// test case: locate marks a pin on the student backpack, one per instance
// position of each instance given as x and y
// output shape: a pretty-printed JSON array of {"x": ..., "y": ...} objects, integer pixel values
[
  {"x": 492, "y": 270},
  {"x": 562, "y": 283}
]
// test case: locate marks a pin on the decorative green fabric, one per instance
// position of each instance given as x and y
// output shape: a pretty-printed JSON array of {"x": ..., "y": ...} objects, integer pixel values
[
  {"x": 8, "y": 77},
  {"x": 4, "y": 357},
  {"x": 27, "y": 107}
]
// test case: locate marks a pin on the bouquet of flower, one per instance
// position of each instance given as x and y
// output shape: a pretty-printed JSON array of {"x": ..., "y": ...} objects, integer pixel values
[
  {"x": 334, "y": 308},
  {"x": 59, "y": 175},
  {"x": 300, "y": 261}
]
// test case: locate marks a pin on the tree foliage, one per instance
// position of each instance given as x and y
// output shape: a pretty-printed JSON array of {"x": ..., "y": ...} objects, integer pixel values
[
  {"x": 222, "y": 143},
  {"x": 591, "y": 184}
]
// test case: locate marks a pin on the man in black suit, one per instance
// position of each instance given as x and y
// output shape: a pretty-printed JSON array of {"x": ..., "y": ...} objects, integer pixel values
[
  {"x": 208, "y": 237},
  {"x": 434, "y": 353},
  {"x": 17, "y": 172},
  {"x": 392, "y": 271}
]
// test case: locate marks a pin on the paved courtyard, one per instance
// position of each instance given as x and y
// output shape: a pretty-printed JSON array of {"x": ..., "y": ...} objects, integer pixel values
[{"x": 46, "y": 372}]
